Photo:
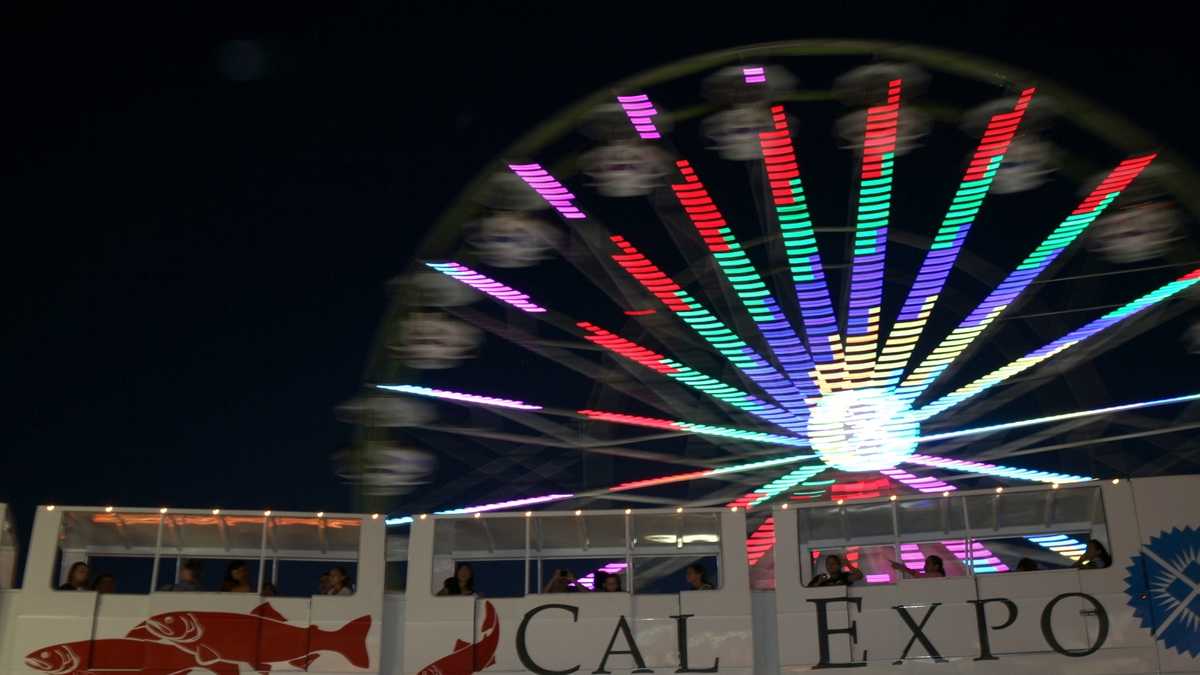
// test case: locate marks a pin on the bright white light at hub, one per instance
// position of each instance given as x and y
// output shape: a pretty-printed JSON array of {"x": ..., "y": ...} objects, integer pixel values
[{"x": 862, "y": 430}]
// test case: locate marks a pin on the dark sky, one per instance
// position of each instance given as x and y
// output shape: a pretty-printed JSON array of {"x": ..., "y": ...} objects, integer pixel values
[{"x": 202, "y": 209}]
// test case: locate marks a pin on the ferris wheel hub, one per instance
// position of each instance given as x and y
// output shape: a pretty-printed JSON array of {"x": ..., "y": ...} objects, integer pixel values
[{"x": 863, "y": 430}]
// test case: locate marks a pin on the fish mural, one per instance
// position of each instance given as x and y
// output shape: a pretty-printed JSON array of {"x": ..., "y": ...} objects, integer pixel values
[
  {"x": 174, "y": 643},
  {"x": 93, "y": 657},
  {"x": 470, "y": 658},
  {"x": 221, "y": 636}
]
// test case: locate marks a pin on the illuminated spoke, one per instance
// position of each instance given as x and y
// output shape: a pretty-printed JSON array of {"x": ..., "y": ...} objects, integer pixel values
[
  {"x": 947, "y": 243},
  {"x": 487, "y": 285},
  {"x": 870, "y": 239},
  {"x": 996, "y": 470},
  {"x": 1057, "y": 346},
  {"x": 800, "y": 245},
  {"x": 747, "y": 283},
  {"x": 708, "y": 326},
  {"x": 1016, "y": 282},
  {"x": 692, "y": 378},
  {"x": 641, "y": 114}
]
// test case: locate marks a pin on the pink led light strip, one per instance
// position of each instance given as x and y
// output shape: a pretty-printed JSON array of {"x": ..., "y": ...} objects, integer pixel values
[
  {"x": 640, "y": 111},
  {"x": 549, "y": 188},
  {"x": 754, "y": 74},
  {"x": 486, "y": 285}
]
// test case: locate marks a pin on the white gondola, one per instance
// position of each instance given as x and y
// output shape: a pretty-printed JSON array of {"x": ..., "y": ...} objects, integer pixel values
[{"x": 1135, "y": 615}]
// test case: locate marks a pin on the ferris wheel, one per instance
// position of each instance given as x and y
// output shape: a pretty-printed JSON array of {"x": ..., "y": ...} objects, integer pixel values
[{"x": 793, "y": 271}]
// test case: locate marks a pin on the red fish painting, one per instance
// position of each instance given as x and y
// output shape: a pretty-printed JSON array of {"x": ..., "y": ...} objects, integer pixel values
[
  {"x": 258, "y": 639},
  {"x": 470, "y": 658},
  {"x": 92, "y": 657}
]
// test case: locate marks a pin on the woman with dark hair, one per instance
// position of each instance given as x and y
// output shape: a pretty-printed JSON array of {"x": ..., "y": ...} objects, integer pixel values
[
  {"x": 237, "y": 578},
  {"x": 77, "y": 577},
  {"x": 697, "y": 577},
  {"x": 339, "y": 582},
  {"x": 1094, "y": 558},
  {"x": 465, "y": 576},
  {"x": 834, "y": 575}
]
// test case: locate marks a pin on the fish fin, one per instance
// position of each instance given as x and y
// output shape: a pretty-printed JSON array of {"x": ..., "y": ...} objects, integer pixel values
[
  {"x": 489, "y": 617},
  {"x": 461, "y": 644},
  {"x": 266, "y": 611},
  {"x": 206, "y": 656},
  {"x": 304, "y": 661},
  {"x": 350, "y": 641}
]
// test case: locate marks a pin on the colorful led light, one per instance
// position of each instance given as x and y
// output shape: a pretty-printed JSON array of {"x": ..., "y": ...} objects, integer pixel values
[
  {"x": 486, "y": 285},
  {"x": 870, "y": 238},
  {"x": 920, "y": 484},
  {"x": 745, "y": 280},
  {"x": 588, "y": 581},
  {"x": 708, "y": 326},
  {"x": 948, "y": 242},
  {"x": 692, "y": 378},
  {"x": 1019, "y": 279},
  {"x": 1068, "y": 547},
  {"x": 996, "y": 469},
  {"x": 458, "y": 396},
  {"x": 800, "y": 245},
  {"x": 696, "y": 428},
  {"x": 754, "y": 74},
  {"x": 549, "y": 188},
  {"x": 1061, "y": 344},
  {"x": 761, "y": 540},
  {"x": 510, "y": 504},
  {"x": 641, "y": 112},
  {"x": 979, "y": 558}
]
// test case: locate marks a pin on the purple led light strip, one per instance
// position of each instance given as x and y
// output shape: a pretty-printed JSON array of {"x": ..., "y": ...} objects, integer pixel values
[
  {"x": 754, "y": 75},
  {"x": 486, "y": 285},
  {"x": 549, "y": 188},
  {"x": 640, "y": 111}
]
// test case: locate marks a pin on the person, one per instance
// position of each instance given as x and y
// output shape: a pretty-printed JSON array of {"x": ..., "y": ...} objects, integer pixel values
[
  {"x": 697, "y": 577},
  {"x": 601, "y": 577},
  {"x": 189, "y": 577},
  {"x": 933, "y": 568},
  {"x": 1094, "y": 557},
  {"x": 269, "y": 590},
  {"x": 1027, "y": 565},
  {"x": 612, "y": 584},
  {"x": 465, "y": 575},
  {"x": 834, "y": 575},
  {"x": 105, "y": 583},
  {"x": 563, "y": 581},
  {"x": 77, "y": 577},
  {"x": 323, "y": 584},
  {"x": 339, "y": 582},
  {"x": 450, "y": 587},
  {"x": 237, "y": 578}
]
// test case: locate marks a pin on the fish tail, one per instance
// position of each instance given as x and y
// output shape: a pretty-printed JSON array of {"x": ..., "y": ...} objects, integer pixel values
[{"x": 350, "y": 641}]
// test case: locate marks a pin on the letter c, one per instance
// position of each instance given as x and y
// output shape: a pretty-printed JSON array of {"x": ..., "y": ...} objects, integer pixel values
[{"x": 523, "y": 650}]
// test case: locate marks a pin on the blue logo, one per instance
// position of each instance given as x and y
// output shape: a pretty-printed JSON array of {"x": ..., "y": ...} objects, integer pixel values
[{"x": 1164, "y": 589}]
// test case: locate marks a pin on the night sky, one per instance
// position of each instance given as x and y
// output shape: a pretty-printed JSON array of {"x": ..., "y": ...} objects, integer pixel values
[{"x": 202, "y": 211}]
